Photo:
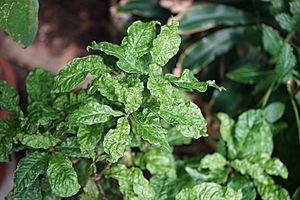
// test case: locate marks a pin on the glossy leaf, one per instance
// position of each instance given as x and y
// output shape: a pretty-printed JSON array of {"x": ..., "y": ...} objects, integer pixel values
[
  {"x": 117, "y": 140},
  {"x": 70, "y": 147},
  {"x": 88, "y": 137},
  {"x": 218, "y": 176},
  {"x": 274, "y": 111},
  {"x": 9, "y": 98},
  {"x": 275, "y": 167},
  {"x": 243, "y": 183},
  {"x": 272, "y": 41},
  {"x": 203, "y": 17},
  {"x": 20, "y": 19},
  {"x": 213, "y": 161},
  {"x": 92, "y": 113},
  {"x": 208, "y": 48},
  {"x": 29, "y": 168},
  {"x": 76, "y": 71},
  {"x": 274, "y": 192},
  {"x": 38, "y": 141},
  {"x": 62, "y": 176},
  {"x": 209, "y": 191}
]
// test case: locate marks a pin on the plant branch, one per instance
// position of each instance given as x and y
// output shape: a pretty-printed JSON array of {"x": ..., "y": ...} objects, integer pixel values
[{"x": 295, "y": 108}]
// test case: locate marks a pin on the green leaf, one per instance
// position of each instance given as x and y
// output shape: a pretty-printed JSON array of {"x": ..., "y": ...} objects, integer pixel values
[
  {"x": 117, "y": 140},
  {"x": 132, "y": 182},
  {"x": 175, "y": 110},
  {"x": 130, "y": 92},
  {"x": 227, "y": 130},
  {"x": 6, "y": 140},
  {"x": 149, "y": 128},
  {"x": 166, "y": 45},
  {"x": 29, "y": 193},
  {"x": 38, "y": 141},
  {"x": 274, "y": 111},
  {"x": 91, "y": 191},
  {"x": 274, "y": 192},
  {"x": 204, "y": 17},
  {"x": 9, "y": 98},
  {"x": 29, "y": 168},
  {"x": 76, "y": 71},
  {"x": 165, "y": 187},
  {"x": 39, "y": 84},
  {"x": 209, "y": 191},
  {"x": 70, "y": 147},
  {"x": 272, "y": 41},
  {"x": 189, "y": 81},
  {"x": 285, "y": 21},
  {"x": 175, "y": 138},
  {"x": 208, "y": 48},
  {"x": 218, "y": 176},
  {"x": 295, "y": 10},
  {"x": 213, "y": 161},
  {"x": 88, "y": 137},
  {"x": 91, "y": 113},
  {"x": 62, "y": 177},
  {"x": 157, "y": 162},
  {"x": 243, "y": 183},
  {"x": 285, "y": 64},
  {"x": 20, "y": 19},
  {"x": 275, "y": 167},
  {"x": 296, "y": 195}
]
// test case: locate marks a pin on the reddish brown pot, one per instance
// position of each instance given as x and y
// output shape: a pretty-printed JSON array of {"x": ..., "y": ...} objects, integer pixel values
[{"x": 7, "y": 74}]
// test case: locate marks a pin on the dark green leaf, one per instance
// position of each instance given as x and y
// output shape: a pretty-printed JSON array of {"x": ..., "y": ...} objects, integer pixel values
[
  {"x": 62, "y": 176},
  {"x": 6, "y": 140},
  {"x": 274, "y": 111},
  {"x": 70, "y": 147},
  {"x": 29, "y": 168},
  {"x": 117, "y": 140},
  {"x": 243, "y": 183},
  {"x": 203, "y": 17},
  {"x": 29, "y": 193},
  {"x": 9, "y": 98},
  {"x": 272, "y": 41},
  {"x": 295, "y": 10},
  {"x": 88, "y": 137},
  {"x": 38, "y": 141},
  {"x": 208, "y": 48},
  {"x": 296, "y": 195},
  {"x": 20, "y": 19},
  {"x": 92, "y": 113},
  {"x": 165, "y": 187}
]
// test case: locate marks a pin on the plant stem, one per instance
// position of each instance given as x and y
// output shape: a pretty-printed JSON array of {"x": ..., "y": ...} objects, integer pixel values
[
  {"x": 268, "y": 93},
  {"x": 295, "y": 108}
]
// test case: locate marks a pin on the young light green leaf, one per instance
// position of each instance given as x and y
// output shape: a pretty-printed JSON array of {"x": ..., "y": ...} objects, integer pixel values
[
  {"x": 91, "y": 113},
  {"x": 209, "y": 191},
  {"x": 88, "y": 137},
  {"x": 116, "y": 140},
  {"x": 272, "y": 41},
  {"x": 274, "y": 111},
  {"x": 62, "y": 177},
  {"x": 20, "y": 19},
  {"x": 285, "y": 21},
  {"x": 166, "y": 45},
  {"x": 189, "y": 81},
  {"x": 149, "y": 128},
  {"x": 130, "y": 92},
  {"x": 29, "y": 168},
  {"x": 275, "y": 167},
  {"x": 132, "y": 182},
  {"x": 157, "y": 162},
  {"x": 76, "y": 71},
  {"x": 243, "y": 183},
  {"x": 285, "y": 64},
  {"x": 9, "y": 98},
  {"x": 272, "y": 191},
  {"x": 213, "y": 161},
  {"x": 38, "y": 141},
  {"x": 39, "y": 84}
]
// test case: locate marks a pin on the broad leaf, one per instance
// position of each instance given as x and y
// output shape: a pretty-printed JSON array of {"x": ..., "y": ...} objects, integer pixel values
[
  {"x": 117, "y": 140},
  {"x": 285, "y": 21},
  {"x": 88, "y": 137},
  {"x": 62, "y": 177},
  {"x": 106, "y": 85},
  {"x": 29, "y": 193},
  {"x": 38, "y": 141},
  {"x": 203, "y": 17},
  {"x": 275, "y": 167},
  {"x": 91, "y": 113},
  {"x": 218, "y": 176},
  {"x": 165, "y": 187},
  {"x": 6, "y": 139},
  {"x": 9, "y": 98},
  {"x": 29, "y": 168},
  {"x": 70, "y": 147},
  {"x": 274, "y": 192},
  {"x": 274, "y": 111},
  {"x": 213, "y": 161},
  {"x": 243, "y": 183},
  {"x": 20, "y": 19},
  {"x": 271, "y": 40}
]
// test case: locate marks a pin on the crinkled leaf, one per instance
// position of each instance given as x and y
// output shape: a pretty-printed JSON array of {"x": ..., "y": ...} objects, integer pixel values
[
  {"x": 88, "y": 137},
  {"x": 76, "y": 71},
  {"x": 62, "y": 176},
  {"x": 70, "y": 147},
  {"x": 6, "y": 139},
  {"x": 210, "y": 191},
  {"x": 272, "y": 41},
  {"x": 157, "y": 162},
  {"x": 218, "y": 176},
  {"x": 116, "y": 140},
  {"x": 213, "y": 161},
  {"x": 243, "y": 183},
  {"x": 149, "y": 128},
  {"x": 285, "y": 64},
  {"x": 272, "y": 191},
  {"x": 274, "y": 111},
  {"x": 29, "y": 193},
  {"x": 39, "y": 84},
  {"x": 9, "y": 98},
  {"x": 130, "y": 92},
  {"x": 38, "y": 141},
  {"x": 165, "y": 187},
  {"x": 189, "y": 81},
  {"x": 91, "y": 113},
  {"x": 29, "y": 168},
  {"x": 106, "y": 85},
  {"x": 132, "y": 182},
  {"x": 275, "y": 167},
  {"x": 166, "y": 45},
  {"x": 295, "y": 10},
  {"x": 20, "y": 19}
]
